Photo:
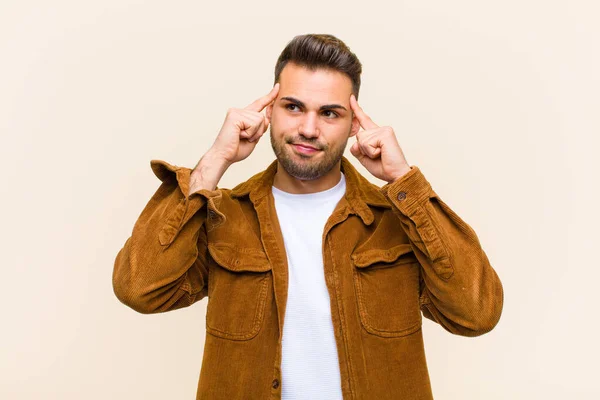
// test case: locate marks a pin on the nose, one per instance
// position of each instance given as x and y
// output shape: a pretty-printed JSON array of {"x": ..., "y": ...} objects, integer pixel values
[{"x": 308, "y": 125}]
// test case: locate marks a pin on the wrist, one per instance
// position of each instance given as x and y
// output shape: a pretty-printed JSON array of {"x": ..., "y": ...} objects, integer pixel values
[
  {"x": 401, "y": 172},
  {"x": 208, "y": 172}
]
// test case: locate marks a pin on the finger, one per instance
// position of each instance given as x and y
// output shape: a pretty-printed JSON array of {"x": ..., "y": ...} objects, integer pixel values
[
  {"x": 259, "y": 132},
  {"x": 258, "y": 116},
  {"x": 365, "y": 121},
  {"x": 369, "y": 147},
  {"x": 259, "y": 104},
  {"x": 355, "y": 150},
  {"x": 375, "y": 152},
  {"x": 249, "y": 123},
  {"x": 248, "y": 129},
  {"x": 252, "y": 115},
  {"x": 255, "y": 138},
  {"x": 250, "y": 132}
]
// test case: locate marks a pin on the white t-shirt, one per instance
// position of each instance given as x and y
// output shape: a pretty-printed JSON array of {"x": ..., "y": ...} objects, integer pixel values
[{"x": 309, "y": 365}]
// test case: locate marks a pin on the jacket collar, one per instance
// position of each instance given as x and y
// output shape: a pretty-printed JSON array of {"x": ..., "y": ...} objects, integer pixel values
[{"x": 360, "y": 193}]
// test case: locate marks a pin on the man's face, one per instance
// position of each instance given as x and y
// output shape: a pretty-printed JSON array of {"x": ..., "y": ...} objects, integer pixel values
[{"x": 312, "y": 108}]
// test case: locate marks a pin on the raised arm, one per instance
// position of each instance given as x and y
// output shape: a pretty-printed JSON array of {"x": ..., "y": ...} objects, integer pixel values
[
  {"x": 163, "y": 264},
  {"x": 461, "y": 290}
]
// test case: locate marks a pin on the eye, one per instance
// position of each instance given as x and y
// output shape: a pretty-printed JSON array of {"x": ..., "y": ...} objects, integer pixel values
[{"x": 333, "y": 113}]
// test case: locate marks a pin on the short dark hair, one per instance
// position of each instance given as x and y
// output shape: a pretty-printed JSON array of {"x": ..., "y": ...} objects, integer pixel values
[{"x": 314, "y": 51}]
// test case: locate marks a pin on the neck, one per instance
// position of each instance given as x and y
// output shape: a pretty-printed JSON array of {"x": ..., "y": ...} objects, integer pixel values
[{"x": 287, "y": 183}]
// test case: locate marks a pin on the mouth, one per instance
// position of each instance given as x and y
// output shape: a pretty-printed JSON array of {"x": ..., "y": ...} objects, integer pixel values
[{"x": 304, "y": 149}]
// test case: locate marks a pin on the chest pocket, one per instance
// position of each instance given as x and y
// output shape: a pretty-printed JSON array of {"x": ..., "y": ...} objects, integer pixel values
[
  {"x": 239, "y": 282},
  {"x": 387, "y": 290}
]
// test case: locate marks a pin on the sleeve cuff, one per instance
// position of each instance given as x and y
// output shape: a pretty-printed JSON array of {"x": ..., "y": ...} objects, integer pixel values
[
  {"x": 188, "y": 205},
  {"x": 407, "y": 190},
  {"x": 165, "y": 171}
]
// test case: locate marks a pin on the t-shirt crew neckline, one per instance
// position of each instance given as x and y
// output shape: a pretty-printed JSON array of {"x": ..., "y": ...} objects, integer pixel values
[{"x": 316, "y": 196}]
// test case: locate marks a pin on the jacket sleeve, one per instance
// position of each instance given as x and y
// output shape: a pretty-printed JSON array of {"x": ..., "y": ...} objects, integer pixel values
[
  {"x": 163, "y": 264},
  {"x": 459, "y": 288}
]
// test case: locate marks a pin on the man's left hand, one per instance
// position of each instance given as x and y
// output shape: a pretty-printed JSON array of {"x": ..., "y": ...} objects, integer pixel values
[{"x": 377, "y": 148}]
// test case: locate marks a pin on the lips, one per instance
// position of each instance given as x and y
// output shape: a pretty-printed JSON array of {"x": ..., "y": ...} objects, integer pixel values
[
  {"x": 305, "y": 146},
  {"x": 305, "y": 150}
]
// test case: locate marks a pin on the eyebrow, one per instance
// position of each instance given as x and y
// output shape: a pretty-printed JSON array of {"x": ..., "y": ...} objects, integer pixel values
[{"x": 324, "y": 107}]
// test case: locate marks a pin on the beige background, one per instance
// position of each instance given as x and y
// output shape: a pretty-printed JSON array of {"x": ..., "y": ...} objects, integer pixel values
[{"x": 496, "y": 102}]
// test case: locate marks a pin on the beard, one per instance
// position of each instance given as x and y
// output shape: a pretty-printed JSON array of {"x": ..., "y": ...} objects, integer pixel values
[{"x": 307, "y": 167}]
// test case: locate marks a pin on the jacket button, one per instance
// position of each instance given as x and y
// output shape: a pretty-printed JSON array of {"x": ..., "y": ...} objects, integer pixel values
[
  {"x": 275, "y": 383},
  {"x": 401, "y": 196}
]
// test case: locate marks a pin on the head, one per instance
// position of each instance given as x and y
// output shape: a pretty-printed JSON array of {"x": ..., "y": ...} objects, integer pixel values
[{"x": 317, "y": 74}]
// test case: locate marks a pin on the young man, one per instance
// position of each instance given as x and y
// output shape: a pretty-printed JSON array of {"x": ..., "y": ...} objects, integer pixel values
[{"x": 317, "y": 279}]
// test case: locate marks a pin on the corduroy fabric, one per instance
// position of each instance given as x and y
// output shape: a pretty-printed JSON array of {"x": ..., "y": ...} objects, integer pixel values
[{"x": 391, "y": 255}]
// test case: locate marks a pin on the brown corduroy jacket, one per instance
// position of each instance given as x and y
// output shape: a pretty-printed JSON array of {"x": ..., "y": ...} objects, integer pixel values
[{"x": 391, "y": 255}]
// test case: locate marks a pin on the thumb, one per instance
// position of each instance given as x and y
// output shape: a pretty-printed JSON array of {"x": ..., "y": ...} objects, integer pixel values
[{"x": 355, "y": 150}]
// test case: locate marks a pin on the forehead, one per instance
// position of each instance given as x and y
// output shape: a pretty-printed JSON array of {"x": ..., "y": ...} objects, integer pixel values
[{"x": 321, "y": 86}]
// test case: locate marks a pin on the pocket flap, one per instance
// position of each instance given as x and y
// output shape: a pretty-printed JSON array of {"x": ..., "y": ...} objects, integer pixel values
[
  {"x": 237, "y": 258},
  {"x": 369, "y": 257}
]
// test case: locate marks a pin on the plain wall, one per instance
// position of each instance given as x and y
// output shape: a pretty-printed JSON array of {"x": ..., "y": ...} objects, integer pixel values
[{"x": 496, "y": 102}]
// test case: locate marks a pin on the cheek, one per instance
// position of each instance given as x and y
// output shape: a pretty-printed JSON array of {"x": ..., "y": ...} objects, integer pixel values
[
  {"x": 282, "y": 123},
  {"x": 339, "y": 129},
  {"x": 340, "y": 135}
]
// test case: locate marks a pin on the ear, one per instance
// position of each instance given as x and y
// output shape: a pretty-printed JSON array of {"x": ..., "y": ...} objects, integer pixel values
[
  {"x": 269, "y": 111},
  {"x": 355, "y": 125}
]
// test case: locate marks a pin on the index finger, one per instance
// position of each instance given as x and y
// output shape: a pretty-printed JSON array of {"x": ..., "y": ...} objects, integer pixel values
[
  {"x": 365, "y": 121},
  {"x": 259, "y": 104}
]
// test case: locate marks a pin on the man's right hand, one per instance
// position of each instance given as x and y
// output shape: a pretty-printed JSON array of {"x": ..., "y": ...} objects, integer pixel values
[
  {"x": 236, "y": 140},
  {"x": 242, "y": 129}
]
